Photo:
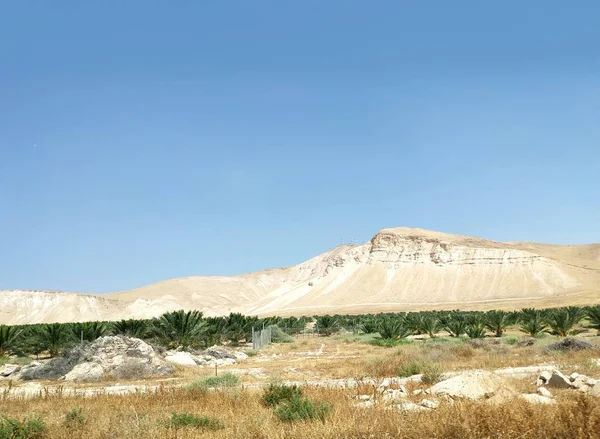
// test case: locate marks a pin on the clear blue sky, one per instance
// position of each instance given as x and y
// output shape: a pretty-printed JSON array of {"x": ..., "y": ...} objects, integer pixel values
[{"x": 145, "y": 140}]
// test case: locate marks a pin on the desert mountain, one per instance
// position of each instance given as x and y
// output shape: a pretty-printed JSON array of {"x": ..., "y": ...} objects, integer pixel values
[{"x": 398, "y": 269}]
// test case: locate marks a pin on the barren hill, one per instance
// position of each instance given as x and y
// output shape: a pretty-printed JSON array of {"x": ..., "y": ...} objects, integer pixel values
[{"x": 398, "y": 269}]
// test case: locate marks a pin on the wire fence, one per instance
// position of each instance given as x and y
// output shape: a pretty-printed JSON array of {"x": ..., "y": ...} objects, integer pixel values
[{"x": 261, "y": 338}]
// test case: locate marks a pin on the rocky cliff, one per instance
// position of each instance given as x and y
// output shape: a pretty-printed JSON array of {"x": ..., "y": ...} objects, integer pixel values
[{"x": 397, "y": 269}]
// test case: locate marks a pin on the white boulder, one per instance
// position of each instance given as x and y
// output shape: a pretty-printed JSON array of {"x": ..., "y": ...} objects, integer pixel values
[
  {"x": 180, "y": 358},
  {"x": 473, "y": 385}
]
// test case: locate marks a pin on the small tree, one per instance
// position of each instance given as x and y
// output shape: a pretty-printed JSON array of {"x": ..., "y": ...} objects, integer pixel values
[
  {"x": 393, "y": 328},
  {"x": 327, "y": 325},
  {"x": 532, "y": 322},
  {"x": 52, "y": 337},
  {"x": 562, "y": 321},
  {"x": 88, "y": 331},
  {"x": 131, "y": 328},
  {"x": 593, "y": 314},
  {"x": 497, "y": 321},
  {"x": 430, "y": 325},
  {"x": 455, "y": 323},
  {"x": 9, "y": 336},
  {"x": 181, "y": 328}
]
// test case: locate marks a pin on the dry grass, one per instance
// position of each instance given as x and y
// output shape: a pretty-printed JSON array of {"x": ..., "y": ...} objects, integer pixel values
[{"x": 243, "y": 415}]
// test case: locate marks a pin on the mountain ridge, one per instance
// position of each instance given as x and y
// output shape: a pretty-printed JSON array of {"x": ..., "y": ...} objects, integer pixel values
[{"x": 399, "y": 268}]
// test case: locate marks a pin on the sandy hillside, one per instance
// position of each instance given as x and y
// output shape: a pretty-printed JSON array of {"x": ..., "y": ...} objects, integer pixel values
[{"x": 398, "y": 269}]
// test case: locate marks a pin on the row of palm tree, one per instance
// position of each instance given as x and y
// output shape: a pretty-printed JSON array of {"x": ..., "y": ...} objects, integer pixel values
[
  {"x": 561, "y": 322},
  {"x": 192, "y": 329}
]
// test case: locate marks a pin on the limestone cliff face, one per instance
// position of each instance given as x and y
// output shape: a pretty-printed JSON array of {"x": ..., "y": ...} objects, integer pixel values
[
  {"x": 397, "y": 268},
  {"x": 397, "y": 246}
]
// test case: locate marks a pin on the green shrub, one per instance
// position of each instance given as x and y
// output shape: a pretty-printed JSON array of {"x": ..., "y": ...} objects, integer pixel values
[
  {"x": 432, "y": 373},
  {"x": 413, "y": 367},
  {"x": 228, "y": 379},
  {"x": 511, "y": 340},
  {"x": 301, "y": 409},
  {"x": 278, "y": 336},
  {"x": 277, "y": 393},
  {"x": 74, "y": 417},
  {"x": 388, "y": 343},
  {"x": 29, "y": 428},
  {"x": 252, "y": 353},
  {"x": 189, "y": 420}
]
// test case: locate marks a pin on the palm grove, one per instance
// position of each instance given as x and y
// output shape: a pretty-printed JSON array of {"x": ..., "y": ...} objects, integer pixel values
[{"x": 190, "y": 329}]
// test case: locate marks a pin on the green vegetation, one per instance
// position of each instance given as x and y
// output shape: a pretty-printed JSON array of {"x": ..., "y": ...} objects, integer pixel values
[
  {"x": 180, "y": 328},
  {"x": 277, "y": 393},
  {"x": 189, "y": 420},
  {"x": 301, "y": 409},
  {"x": 30, "y": 428},
  {"x": 226, "y": 380},
  {"x": 74, "y": 417},
  {"x": 190, "y": 329},
  {"x": 278, "y": 336}
]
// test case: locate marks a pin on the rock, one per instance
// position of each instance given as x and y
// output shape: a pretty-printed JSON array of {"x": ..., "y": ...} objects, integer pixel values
[
  {"x": 240, "y": 356},
  {"x": 584, "y": 388},
  {"x": 9, "y": 369},
  {"x": 85, "y": 372},
  {"x": 579, "y": 382},
  {"x": 534, "y": 398},
  {"x": 559, "y": 381},
  {"x": 117, "y": 356},
  {"x": 384, "y": 384},
  {"x": 571, "y": 344},
  {"x": 475, "y": 384},
  {"x": 364, "y": 404},
  {"x": 226, "y": 362},
  {"x": 545, "y": 376},
  {"x": 544, "y": 392},
  {"x": 427, "y": 403},
  {"x": 406, "y": 406},
  {"x": 219, "y": 352},
  {"x": 181, "y": 359},
  {"x": 391, "y": 395},
  {"x": 574, "y": 376},
  {"x": 591, "y": 382}
]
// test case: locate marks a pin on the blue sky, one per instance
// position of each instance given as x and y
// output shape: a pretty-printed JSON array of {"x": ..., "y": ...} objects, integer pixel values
[{"x": 144, "y": 140}]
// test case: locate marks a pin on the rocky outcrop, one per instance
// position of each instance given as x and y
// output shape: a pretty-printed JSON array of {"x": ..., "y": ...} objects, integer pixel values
[
  {"x": 476, "y": 384},
  {"x": 113, "y": 356},
  {"x": 213, "y": 356}
]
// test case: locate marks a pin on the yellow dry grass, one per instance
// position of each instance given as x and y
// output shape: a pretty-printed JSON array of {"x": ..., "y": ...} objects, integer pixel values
[{"x": 241, "y": 411}]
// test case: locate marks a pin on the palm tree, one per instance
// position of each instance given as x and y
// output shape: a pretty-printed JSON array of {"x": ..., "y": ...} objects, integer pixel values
[
  {"x": 369, "y": 325},
  {"x": 391, "y": 328},
  {"x": 181, "y": 328},
  {"x": 497, "y": 321},
  {"x": 9, "y": 335},
  {"x": 455, "y": 323},
  {"x": 238, "y": 327},
  {"x": 215, "y": 330},
  {"x": 88, "y": 331},
  {"x": 563, "y": 320},
  {"x": 327, "y": 325},
  {"x": 430, "y": 325},
  {"x": 52, "y": 337},
  {"x": 414, "y": 320},
  {"x": 131, "y": 328},
  {"x": 593, "y": 314},
  {"x": 532, "y": 322}
]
